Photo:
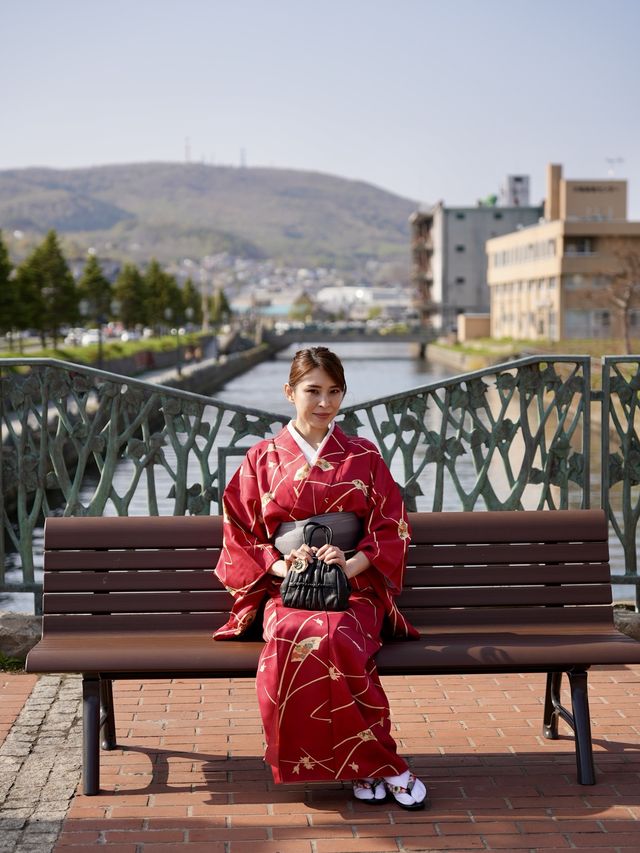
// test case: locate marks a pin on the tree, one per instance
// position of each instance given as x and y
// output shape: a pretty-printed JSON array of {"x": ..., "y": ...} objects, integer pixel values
[
  {"x": 96, "y": 290},
  {"x": 130, "y": 291},
  {"x": 163, "y": 296},
  {"x": 220, "y": 310},
  {"x": 9, "y": 301},
  {"x": 47, "y": 290},
  {"x": 624, "y": 283},
  {"x": 191, "y": 298}
]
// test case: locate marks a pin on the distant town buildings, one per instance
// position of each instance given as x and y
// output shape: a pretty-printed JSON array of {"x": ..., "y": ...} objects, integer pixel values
[
  {"x": 449, "y": 269},
  {"x": 556, "y": 279},
  {"x": 276, "y": 292}
]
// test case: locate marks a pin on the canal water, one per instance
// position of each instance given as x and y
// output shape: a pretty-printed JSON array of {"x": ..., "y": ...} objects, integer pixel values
[{"x": 372, "y": 370}]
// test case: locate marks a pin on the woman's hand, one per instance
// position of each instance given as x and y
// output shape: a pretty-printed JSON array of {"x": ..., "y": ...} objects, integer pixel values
[
  {"x": 303, "y": 554},
  {"x": 332, "y": 554},
  {"x": 281, "y": 567},
  {"x": 329, "y": 553}
]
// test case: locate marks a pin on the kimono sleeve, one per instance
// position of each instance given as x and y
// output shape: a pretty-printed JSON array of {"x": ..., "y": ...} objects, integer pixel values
[
  {"x": 247, "y": 553},
  {"x": 386, "y": 530}
]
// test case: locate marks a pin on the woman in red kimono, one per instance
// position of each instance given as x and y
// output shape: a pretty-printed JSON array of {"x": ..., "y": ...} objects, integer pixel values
[{"x": 324, "y": 711}]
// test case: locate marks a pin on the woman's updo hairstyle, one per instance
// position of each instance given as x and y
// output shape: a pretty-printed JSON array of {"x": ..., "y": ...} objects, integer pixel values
[{"x": 306, "y": 360}]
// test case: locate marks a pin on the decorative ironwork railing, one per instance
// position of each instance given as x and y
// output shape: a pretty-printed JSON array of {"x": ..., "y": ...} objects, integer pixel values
[
  {"x": 522, "y": 426},
  {"x": 78, "y": 441},
  {"x": 621, "y": 457}
]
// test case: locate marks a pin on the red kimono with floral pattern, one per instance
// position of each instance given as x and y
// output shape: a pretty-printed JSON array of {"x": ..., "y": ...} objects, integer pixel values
[{"x": 324, "y": 711}]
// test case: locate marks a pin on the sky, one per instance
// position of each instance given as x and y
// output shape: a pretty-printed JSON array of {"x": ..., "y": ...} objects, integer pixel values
[{"x": 429, "y": 99}]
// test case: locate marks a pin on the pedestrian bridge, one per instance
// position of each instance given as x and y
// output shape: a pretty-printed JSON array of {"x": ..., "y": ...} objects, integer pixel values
[{"x": 329, "y": 334}]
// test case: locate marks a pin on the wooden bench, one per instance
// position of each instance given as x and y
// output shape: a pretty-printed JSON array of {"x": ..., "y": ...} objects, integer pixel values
[{"x": 490, "y": 592}]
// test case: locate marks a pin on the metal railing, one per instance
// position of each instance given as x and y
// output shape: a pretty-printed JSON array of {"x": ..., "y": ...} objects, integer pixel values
[{"x": 80, "y": 441}]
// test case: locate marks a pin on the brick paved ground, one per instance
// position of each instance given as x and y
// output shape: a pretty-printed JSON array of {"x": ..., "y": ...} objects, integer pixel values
[{"x": 189, "y": 774}]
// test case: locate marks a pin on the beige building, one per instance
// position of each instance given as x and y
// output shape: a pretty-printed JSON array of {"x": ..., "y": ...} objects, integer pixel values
[
  {"x": 449, "y": 252},
  {"x": 554, "y": 280}
]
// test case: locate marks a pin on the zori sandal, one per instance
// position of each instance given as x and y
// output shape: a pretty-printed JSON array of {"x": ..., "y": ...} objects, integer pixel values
[
  {"x": 412, "y": 796},
  {"x": 371, "y": 791}
]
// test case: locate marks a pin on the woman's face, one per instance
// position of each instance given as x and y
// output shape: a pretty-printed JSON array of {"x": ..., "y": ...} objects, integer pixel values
[{"x": 317, "y": 399}]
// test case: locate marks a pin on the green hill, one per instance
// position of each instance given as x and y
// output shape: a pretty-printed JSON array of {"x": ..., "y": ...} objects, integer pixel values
[{"x": 175, "y": 210}]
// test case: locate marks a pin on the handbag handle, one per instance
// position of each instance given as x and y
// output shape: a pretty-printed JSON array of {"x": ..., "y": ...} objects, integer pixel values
[{"x": 328, "y": 532}]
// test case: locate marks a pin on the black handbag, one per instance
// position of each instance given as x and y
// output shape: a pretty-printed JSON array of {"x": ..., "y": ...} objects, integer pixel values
[{"x": 316, "y": 585}]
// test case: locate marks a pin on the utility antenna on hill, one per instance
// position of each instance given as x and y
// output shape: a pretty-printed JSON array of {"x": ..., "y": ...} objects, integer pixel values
[{"x": 187, "y": 150}]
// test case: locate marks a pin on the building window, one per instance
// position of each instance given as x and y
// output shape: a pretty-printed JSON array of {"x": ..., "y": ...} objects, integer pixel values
[
  {"x": 460, "y": 279},
  {"x": 579, "y": 246},
  {"x": 577, "y": 324},
  {"x": 460, "y": 247},
  {"x": 497, "y": 215},
  {"x": 460, "y": 216},
  {"x": 573, "y": 282}
]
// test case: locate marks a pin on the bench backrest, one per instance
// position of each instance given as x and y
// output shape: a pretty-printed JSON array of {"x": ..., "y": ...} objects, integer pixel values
[
  {"x": 155, "y": 574},
  {"x": 133, "y": 573},
  {"x": 468, "y": 568}
]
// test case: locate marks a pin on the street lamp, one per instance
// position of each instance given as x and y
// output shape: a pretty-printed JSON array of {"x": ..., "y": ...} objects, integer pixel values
[
  {"x": 204, "y": 302},
  {"x": 168, "y": 315}
]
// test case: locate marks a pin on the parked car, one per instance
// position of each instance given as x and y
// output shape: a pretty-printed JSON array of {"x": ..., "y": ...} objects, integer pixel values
[
  {"x": 73, "y": 338},
  {"x": 92, "y": 336}
]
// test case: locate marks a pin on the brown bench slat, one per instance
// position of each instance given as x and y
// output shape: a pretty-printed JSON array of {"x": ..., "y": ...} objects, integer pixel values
[
  {"x": 135, "y": 602},
  {"x": 489, "y": 554},
  {"x": 506, "y": 596},
  {"x": 429, "y": 622},
  {"x": 428, "y": 619},
  {"x": 149, "y": 653},
  {"x": 199, "y": 531},
  {"x": 85, "y": 560},
  {"x": 129, "y": 581},
  {"x": 463, "y": 527},
  {"x": 136, "y": 623},
  {"x": 418, "y": 576},
  {"x": 508, "y": 651},
  {"x": 102, "y": 581}
]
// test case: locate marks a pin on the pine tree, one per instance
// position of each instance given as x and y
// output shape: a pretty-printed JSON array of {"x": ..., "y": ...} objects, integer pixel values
[
  {"x": 9, "y": 302},
  {"x": 47, "y": 289},
  {"x": 191, "y": 298},
  {"x": 220, "y": 310},
  {"x": 130, "y": 292},
  {"x": 163, "y": 295},
  {"x": 96, "y": 290}
]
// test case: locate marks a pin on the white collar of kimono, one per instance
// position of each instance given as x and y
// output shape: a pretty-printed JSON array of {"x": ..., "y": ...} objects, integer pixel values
[{"x": 310, "y": 453}]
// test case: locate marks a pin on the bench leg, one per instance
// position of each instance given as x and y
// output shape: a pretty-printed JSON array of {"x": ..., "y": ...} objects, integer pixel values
[
  {"x": 578, "y": 721},
  {"x": 551, "y": 705},
  {"x": 107, "y": 717},
  {"x": 90, "y": 735},
  {"x": 582, "y": 728}
]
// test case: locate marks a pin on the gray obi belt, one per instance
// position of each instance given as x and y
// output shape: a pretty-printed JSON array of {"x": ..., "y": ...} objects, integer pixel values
[{"x": 346, "y": 528}]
